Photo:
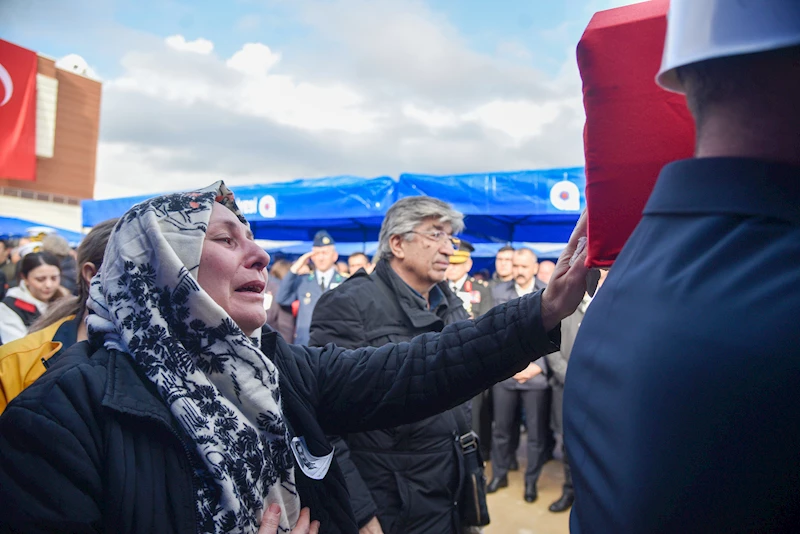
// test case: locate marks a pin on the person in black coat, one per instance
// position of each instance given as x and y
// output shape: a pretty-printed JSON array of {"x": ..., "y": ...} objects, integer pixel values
[
  {"x": 401, "y": 479},
  {"x": 528, "y": 388},
  {"x": 171, "y": 418}
]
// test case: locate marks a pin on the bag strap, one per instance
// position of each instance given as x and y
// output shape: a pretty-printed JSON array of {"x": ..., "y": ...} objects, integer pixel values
[
  {"x": 19, "y": 306},
  {"x": 467, "y": 438}
]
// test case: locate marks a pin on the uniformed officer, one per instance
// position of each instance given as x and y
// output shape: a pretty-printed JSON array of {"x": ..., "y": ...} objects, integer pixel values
[
  {"x": 304, "y": 285},
  {"x": 475, "y": 294}
]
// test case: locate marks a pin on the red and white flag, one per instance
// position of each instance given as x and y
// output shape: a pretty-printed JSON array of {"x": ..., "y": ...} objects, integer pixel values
[{"x": 18, "y": 67}]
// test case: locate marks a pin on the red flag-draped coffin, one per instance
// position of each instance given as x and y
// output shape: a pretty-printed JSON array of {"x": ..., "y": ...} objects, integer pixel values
[{"x": 633, "y": 127}]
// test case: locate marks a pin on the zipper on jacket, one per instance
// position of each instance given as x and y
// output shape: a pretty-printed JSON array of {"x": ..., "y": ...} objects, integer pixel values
[{"x": 192, "y": 479}]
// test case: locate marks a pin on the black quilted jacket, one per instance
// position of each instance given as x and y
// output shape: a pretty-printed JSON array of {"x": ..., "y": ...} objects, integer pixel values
[
  {"x": 410, "y": 475},
  {"x": 90, "y": 446}
]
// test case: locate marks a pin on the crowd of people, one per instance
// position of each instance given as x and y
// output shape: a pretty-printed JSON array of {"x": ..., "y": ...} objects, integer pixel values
[
  {"x": 176, "y": 388},
  {"x": 223, "y": 420}
]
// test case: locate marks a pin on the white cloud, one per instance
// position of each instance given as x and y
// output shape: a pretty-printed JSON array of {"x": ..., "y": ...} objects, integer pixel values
[
  {"x": 433, "y": 118},
  {"x": 519, "y": 119},
  {"x": 255, "y": 59},
  {"x": 244, "y": 85},
  {"x": 397, "y": 89},
  {"x": 198, "y": 46}
]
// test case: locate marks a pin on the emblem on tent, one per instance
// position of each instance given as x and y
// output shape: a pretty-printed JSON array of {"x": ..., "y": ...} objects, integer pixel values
[
  {"x": 564, "y": 196},
  {"x": 267, "y": 207}
]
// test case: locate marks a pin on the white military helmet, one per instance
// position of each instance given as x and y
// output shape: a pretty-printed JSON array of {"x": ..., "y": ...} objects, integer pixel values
[{"x": 698, "y": 30}]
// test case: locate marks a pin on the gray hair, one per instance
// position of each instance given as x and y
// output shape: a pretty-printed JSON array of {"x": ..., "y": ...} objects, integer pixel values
[{"x": 408, "y": 213}]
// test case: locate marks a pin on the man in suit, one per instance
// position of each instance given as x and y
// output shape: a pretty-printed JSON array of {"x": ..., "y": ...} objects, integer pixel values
[
  {"x": 503, "y": 273},
  {"x": 305, "y": 285},
  {"x": 680, "y": 411},
  {"x": 529, "y": 388}
]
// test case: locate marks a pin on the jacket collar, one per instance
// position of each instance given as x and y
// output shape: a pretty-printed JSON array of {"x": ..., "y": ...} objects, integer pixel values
[
  {"x": 414, "y": 306},
  {"x": 735, "y": 186},
  {"x": 129, "y": 391},
  {"x": 67, "y": 333}
]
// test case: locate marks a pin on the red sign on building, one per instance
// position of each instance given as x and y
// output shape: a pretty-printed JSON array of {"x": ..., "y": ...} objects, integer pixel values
[{"x": 18, "y": 67}]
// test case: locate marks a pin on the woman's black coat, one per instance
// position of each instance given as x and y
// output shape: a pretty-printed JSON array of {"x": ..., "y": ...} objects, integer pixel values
[{"x": 91, "y": 447}]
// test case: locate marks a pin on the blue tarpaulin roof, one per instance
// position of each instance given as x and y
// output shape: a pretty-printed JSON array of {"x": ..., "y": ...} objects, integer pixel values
[
  {"x": 350, "y": 208},
  {"x": 524, "y": 206},
  {"x": 482, "y": 250},
  {"x": 13, "y": 227},
  {"x": 537, "y": 206}
]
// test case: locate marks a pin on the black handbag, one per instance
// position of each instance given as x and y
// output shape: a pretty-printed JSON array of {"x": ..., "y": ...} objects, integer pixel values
[{"x": 472, "y": 499}]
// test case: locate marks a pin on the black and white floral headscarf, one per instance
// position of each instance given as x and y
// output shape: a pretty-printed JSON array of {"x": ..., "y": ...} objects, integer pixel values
[{"x": 214, "y": 379}]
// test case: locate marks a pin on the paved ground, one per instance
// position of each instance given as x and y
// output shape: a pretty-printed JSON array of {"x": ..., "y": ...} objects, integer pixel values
[{"x": 510, "y": 514}]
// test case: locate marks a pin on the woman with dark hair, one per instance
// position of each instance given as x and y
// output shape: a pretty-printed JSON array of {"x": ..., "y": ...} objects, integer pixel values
[
  {"x": 24, "y": 360},
  {"x": 39, "y": 285},
  {"x": 173, "y": 418}
]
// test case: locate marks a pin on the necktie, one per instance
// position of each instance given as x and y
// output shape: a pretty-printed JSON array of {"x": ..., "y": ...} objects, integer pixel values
[{"x": 322, "y": 283}]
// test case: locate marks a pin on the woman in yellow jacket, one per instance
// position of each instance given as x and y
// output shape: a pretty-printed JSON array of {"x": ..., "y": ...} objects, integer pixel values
[{"x": 24, "y": 360}]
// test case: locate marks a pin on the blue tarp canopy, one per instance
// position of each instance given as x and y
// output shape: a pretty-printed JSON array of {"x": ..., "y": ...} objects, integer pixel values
[
  {"x": 532, "y": 206},
  {"x": 482, "y": 250},
  {"x": 350, "y": 208},
  {"x": 525, "y": 206},
  {"x": 12, "y": 227}
]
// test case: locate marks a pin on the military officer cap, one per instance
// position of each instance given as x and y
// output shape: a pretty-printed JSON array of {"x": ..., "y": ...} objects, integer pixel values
[
  {"x": 323, "y": 239},
  {"x": 462, "y": 253}
]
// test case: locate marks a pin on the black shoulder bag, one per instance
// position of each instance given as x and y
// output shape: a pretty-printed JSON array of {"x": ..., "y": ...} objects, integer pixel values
[{"x": 472, "y": 500}]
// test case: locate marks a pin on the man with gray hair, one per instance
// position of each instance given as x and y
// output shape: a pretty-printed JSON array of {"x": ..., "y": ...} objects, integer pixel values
[{"x": 404, "y": 479}]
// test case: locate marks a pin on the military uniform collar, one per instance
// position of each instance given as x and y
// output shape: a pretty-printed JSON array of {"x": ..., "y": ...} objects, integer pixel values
[{"x": 734, "y": 186}]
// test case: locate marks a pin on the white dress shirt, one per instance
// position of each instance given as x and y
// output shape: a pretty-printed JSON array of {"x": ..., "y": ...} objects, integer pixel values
[
  {"x": 325, "y": 278},
  {"x": 522, "y": 292}
]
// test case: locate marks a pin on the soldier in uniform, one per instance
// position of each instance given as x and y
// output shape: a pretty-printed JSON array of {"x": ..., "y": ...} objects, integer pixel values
[
  {"x": 474, "y": 293},
  {"x": 306, "y": 284}
]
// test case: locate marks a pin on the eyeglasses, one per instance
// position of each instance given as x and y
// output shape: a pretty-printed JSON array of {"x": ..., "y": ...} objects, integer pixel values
[{"x": 439, "y": 236}]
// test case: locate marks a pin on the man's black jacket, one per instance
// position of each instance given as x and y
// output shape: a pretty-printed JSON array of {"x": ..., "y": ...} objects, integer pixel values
[{"x": 409, "y": 476}]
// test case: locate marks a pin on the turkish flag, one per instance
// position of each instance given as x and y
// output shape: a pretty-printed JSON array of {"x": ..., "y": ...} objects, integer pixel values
[
  {"x": 633, "y": 126},
  {"x": 18, "y": 67}
]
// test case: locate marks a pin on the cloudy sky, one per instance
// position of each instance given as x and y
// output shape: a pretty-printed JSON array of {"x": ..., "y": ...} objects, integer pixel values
[{"x": 253, "y": 91}]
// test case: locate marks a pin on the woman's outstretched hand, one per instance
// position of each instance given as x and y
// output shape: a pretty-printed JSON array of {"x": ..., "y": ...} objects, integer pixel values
[
  {"x": 569, "y": 280},
  {"x": 272, "y": 518}
]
